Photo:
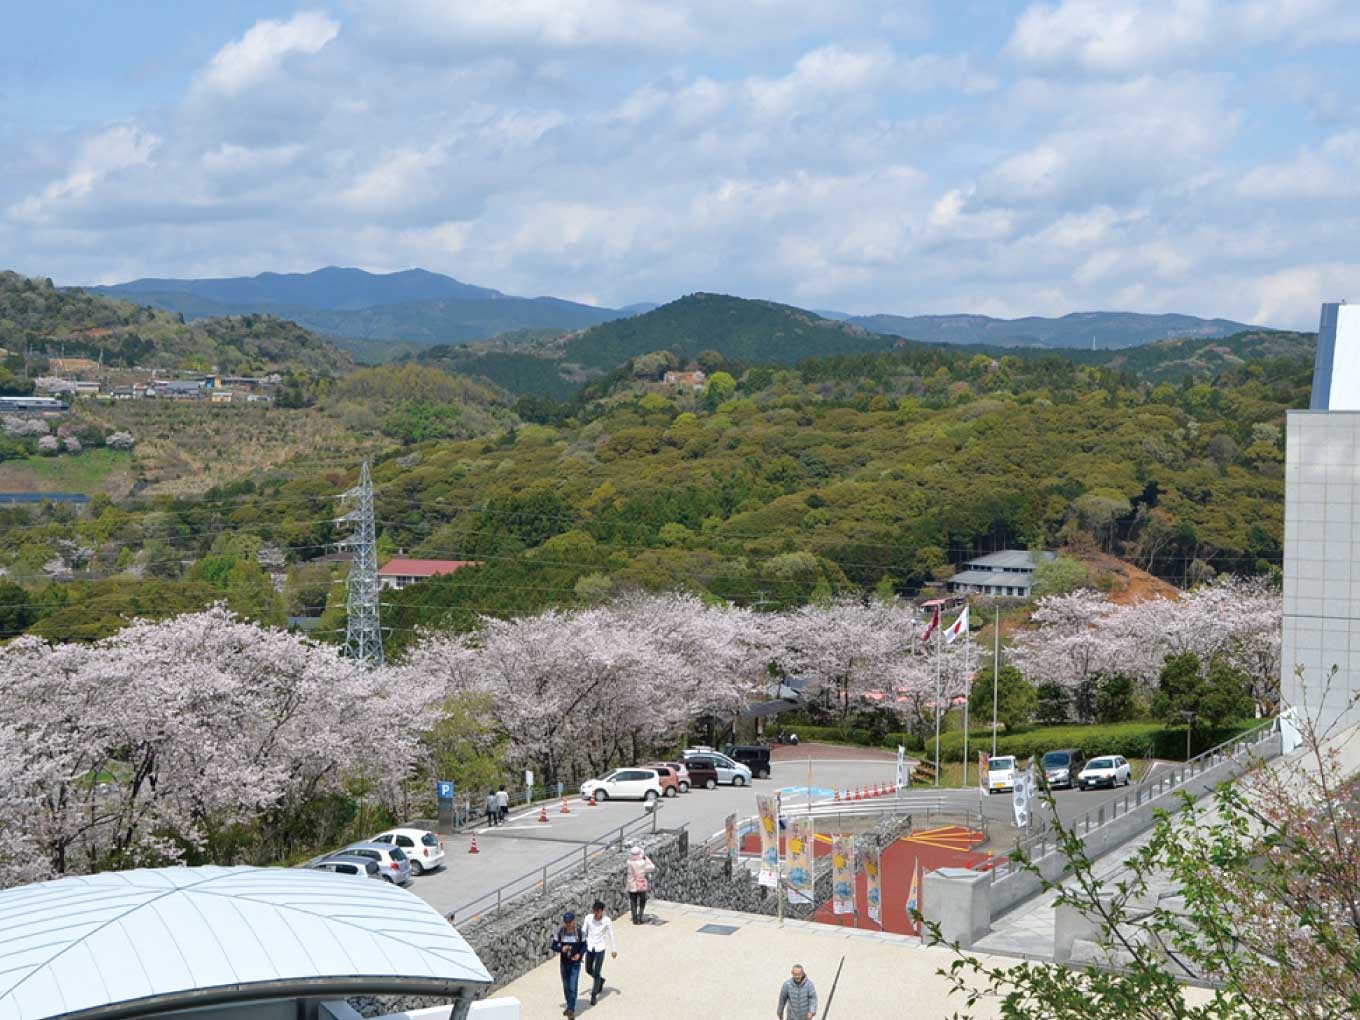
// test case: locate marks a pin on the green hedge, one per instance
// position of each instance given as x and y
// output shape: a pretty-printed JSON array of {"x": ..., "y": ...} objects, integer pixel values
[
  {"x": 851, "y": 735},
  {"x": 1132, "y": 740}
]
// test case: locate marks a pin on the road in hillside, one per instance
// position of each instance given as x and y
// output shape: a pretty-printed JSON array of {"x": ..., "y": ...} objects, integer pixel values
[{"x": 524, "y": 845}]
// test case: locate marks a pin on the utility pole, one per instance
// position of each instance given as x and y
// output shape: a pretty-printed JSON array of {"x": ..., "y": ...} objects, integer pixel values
[
  {"x": 363, "y": 629},
  {"x": 996, "y": 675}
]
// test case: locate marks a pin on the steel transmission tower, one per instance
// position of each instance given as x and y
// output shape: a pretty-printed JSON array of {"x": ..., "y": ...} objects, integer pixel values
[{"x": 363, "y": 631}]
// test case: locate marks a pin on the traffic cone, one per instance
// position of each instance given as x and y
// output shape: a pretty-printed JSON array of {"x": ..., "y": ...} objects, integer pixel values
[
  {"x": 592, "y": 800},
  {"x": 543, "y": 813},
  {"x": 838, "y": 797},
  {"x": 565, "y": 810},
  {"x": 473, "y": 849},
  {"x": 859, "y": 793}
]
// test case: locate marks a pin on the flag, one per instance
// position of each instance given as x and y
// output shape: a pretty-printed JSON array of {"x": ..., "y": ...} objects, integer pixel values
[
  {"x": 1020, "y": 801},
  {"x": 914, "y": 893},
  {"x": 984, "y": 766},
  {"x": 901, "y": 766},
  {"x": 934, "y": 623},
  {"x": 768, "y": 811},
  {"x": 800, "y": 858},
  {"x": 873, "y": 881},
  {"x": 842, "y": 874},
  {"x": 958, "y": 628}
]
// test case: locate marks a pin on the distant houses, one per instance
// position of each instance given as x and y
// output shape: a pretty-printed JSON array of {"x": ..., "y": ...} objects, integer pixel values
[
  {"x": 400, "y": 572},
  {"x": 695, "y": 380},
  {"x": 1006, "y": 573}
]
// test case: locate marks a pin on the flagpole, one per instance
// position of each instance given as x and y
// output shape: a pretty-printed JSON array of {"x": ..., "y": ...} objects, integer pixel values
[
  {"x": 967, "y": 694},
  {"x": 939, "y": 657}
]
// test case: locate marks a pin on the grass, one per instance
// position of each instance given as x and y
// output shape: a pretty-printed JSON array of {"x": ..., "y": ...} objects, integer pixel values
[{"x": 90, "y": 472}]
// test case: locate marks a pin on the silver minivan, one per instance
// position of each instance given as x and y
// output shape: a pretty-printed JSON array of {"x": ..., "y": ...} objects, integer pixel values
[
  {"x": 392, "y": 860},
  {"x": 729, "y": 771}
]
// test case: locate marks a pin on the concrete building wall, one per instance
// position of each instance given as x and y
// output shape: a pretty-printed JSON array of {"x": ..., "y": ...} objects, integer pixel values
[
  {"x": 1336, "y": 370},
  {"x": 1320, "y": 659}
]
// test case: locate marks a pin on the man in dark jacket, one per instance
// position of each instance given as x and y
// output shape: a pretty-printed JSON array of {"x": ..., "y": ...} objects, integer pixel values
[
  {"x": 798, "y": 996},
  {"x": 570, "y": 946}
]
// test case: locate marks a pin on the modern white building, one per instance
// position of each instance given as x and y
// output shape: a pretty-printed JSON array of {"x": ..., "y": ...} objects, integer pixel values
[{"x": 1320, "y": 657}]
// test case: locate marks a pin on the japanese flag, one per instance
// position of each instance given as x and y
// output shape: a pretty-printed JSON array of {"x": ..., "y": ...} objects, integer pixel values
[{"x": 958, "y": 628}]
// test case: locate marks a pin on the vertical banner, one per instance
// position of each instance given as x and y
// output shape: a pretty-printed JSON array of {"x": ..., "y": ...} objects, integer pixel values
[
  {"x": 1020, "y": 800},
  {"x": 984, "y": 766},
  {"x": 914, "y": 891},
  {"x": 872, "y": 857},
  {"x": 901, "y": 766},
  {"x": 842, "y": 874},
  {"x": 800, "y": 859},
  {"x": 769, "y": 840},
  {"x": 730, "y": 830}
]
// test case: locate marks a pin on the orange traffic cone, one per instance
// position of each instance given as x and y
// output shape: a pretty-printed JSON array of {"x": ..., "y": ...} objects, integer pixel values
[
  {"x": 838, "y": 796},
  {"x": 592, "y": 800},
  {"x": 859, "y": 793},
  {"x": 543, "y": 813},
  {"x": 565, "y": 810},
  {"x": 473, "y": 849}
]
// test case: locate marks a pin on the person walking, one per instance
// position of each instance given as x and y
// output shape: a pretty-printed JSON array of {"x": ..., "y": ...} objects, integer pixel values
[
  {"x": 493, "y": 809},
  {"x": 798, "y": 997},
  {"x": 503, "y": 804},
  {"x": 569, "y": 944},
  {"x": 598, "y": 930},
  {"x": 639, "y": 867}
]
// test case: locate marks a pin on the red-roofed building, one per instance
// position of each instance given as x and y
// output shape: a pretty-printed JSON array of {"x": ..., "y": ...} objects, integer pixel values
[{"x": 398, "y": 573}]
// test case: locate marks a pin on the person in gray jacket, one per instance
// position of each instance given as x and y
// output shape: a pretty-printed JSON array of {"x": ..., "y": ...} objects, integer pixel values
[{"x": 798, "y": 996}]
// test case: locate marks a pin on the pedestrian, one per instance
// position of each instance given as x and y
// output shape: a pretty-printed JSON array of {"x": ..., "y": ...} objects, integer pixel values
[
  {"x": 503, "y": 802},
  {"x": 569, "y": 945},
  {"x": 799, "y": 996},
  {"x": 493, "y": 809},
  {"x": 639, "y": 867},
  {"x": 598, "y": 929}
]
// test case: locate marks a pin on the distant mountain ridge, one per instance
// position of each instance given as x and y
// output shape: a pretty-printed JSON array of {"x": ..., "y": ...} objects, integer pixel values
[{"x": 1108, "y": 330}]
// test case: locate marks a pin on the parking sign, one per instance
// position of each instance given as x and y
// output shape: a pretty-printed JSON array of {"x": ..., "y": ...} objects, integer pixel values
[{"x": 444, "y": 789}]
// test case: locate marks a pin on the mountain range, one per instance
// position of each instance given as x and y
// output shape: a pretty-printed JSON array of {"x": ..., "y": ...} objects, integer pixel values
[{"x": 380, "y": 315}]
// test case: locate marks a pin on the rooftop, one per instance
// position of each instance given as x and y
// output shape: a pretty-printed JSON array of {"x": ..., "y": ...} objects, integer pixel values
[
  {"x": 122, "y": 943},
  {"x": 422, "y": 568},
  {"x": 988, "y": 577},
  {"x": 1011, "y": 558}
]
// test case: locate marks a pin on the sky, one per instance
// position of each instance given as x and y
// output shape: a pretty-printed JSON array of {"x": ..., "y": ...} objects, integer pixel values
[{"x": 904, "y": 156}]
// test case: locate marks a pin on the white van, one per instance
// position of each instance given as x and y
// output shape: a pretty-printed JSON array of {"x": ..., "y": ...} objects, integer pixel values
[{"x": 1001, "y": 774}]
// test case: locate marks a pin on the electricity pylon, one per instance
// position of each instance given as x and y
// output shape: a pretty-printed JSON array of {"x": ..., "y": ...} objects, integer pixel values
[{"x": 363, "y": 629}]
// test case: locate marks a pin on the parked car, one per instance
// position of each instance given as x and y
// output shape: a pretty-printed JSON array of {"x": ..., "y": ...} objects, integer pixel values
[
  {"x": 1111, "y": 770},
  {"x": 702, "y": 772},
  {"x": 729, "y": 771},
  {"x": 393, "y": 863},
  {"x": 681, "y": 773},
  {"x": 1001, "y": 774},
  {"x": 670, "y": 782},
  {"x": 624, "y": 784},
  {"x": 363, "y": 867},
  {"x": 421, "y": 846},
  {"x": 753, "y": 756},
  {"x": 1061, "y": 767}
]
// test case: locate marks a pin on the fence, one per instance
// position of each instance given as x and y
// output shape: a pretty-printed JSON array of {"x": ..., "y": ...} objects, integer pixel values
[{"x": 572, "y": 864}]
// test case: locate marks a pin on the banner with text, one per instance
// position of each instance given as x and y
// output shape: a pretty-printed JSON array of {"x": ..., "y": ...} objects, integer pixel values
[
  {"x": 873, "y": 881},
  {"x": 801, "y": 838},
  {"x": 767, "y": 808},
  {"x": 842, "y": 874}
]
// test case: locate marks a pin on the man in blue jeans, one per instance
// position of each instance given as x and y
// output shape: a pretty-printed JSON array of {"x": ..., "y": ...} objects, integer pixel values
[{"x": 570, "y": 946}]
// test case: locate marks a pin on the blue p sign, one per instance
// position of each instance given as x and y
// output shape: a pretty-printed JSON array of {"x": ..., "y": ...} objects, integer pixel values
[{"x": 444, "y": 789}]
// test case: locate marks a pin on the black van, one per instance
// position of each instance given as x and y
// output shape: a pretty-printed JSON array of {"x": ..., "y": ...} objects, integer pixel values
[{"x": 753, "y": 756}]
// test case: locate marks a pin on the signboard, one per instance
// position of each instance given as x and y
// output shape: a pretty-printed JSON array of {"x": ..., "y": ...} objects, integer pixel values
[
  {"x": 872, "y": 857},
  {"x": 901, "y": 766},
  {"x": 800, "y": 878},
  {"x": 842, "y": 874},
  {"x": 443, "y": 789},
  {"x": 768, "y": 811},
  {"x": 984, "y": 767},
  {"x": 730, "y": 831},
  {"x": 528, "y": 778}
]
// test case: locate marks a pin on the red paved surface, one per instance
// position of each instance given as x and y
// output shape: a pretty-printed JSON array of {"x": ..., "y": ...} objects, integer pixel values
[{"x": 944, "y": 847}]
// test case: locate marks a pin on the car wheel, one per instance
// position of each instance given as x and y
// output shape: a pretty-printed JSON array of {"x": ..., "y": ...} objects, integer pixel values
[
  {"x": 684, "y": 787},
  {"x": 738, "y": 780},
  {"x": 417, "y": 868},
  {"x": 671, "y": 791},
  {"x": 764, "y": 774},
  {"x": 650, "y": 796},
  {"x": 601, "y": 795},
  {"x": 711, "y": 784}
]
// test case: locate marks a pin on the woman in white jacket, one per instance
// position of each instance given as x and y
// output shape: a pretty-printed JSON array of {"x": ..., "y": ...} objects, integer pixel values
[{"x": 639, "y": 867}]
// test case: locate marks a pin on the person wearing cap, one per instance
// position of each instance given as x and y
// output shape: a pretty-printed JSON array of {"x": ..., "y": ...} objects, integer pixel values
[
  {"x": 569, "y": 944},
  {"x": 598, "y": 929},
  {"x": 639, "y": 867}
]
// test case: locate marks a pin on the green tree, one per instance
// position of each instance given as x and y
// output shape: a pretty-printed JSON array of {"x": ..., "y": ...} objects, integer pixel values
[
  {"x": 464, "y": 746},
  {"x": 1017, "y": 699},
  {"x": 1115, "y": 699},
  {"x": 1059, "y": 576},
  {"x": 17, "y": 610},
  {"x": 1053, "y": 704},
  {"x": 720, "y": 387}
]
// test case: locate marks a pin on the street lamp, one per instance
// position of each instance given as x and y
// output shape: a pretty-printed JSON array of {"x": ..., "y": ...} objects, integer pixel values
[{"x": 1189, "y": 715}]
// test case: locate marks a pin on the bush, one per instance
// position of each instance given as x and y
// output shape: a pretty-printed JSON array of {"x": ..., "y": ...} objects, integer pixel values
[
  {"x": 853, "y": 735},
  {"x": 1132, "y": 740}
]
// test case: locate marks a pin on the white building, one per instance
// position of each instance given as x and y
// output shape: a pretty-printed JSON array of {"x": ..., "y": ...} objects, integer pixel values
[{"x": 1006, "y": 573}]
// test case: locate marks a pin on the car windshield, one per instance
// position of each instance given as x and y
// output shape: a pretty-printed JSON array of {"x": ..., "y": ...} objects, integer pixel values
[
  {"x": 1101, "y": 763},
  {"x": 429, "y": 839},
  {"x": 1056, "y": 758},
  {"x": 1001, "y": 764}
]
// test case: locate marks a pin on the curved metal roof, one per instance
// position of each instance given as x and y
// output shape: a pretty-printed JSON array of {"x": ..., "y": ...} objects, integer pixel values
[{"x": 118, "y": 943}]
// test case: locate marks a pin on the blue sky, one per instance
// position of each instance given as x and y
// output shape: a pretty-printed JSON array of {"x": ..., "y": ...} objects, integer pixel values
[{"x": 903, "y": 156}]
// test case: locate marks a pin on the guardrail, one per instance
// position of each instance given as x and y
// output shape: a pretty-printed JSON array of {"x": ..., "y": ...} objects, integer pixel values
[
  {"x": 559, "y": 869},
  {"x": 1043, "y": 844}
]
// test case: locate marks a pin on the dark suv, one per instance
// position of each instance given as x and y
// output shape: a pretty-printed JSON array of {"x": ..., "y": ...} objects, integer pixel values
[
  {"x": 753, "y": 756},
  {"x": 702, "y": 772},
  {"x": 1061, "y": 767}
]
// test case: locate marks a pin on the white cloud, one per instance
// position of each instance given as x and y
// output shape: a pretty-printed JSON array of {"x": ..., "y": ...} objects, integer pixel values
[
  {"x": 249, "y": 60},
  {"x": 100, "y": 156}
]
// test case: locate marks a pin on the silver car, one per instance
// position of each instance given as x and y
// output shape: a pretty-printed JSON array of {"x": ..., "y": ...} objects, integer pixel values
[
  {"x": 348, "y": 864},
  {"x": 393, "y": 863}
]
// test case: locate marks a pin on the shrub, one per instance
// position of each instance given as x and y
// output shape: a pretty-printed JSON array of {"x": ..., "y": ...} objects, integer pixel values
[{"x": 1132, "y": 740}]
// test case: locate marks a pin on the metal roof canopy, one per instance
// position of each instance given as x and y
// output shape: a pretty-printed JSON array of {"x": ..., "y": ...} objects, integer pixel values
[
  {"x": 128, "y": 943},
  {"x": 1012, "y": 558}
]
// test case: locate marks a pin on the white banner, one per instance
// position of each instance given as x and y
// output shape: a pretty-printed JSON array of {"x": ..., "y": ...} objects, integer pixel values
[
  {"x": 1020, "y": 800},
  {"x": 901, "y": 766},
  {"x": 768, "y": 810}
]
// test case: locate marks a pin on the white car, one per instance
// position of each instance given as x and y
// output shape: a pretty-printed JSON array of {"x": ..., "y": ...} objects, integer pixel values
[
  {"x": 422, "y": 846},
  {"x": 729, "y": 771},
  {"x": 1111, "y": 770},
  {"x": 624, "y": 784},
  {"x": 1001, "y": 774}
]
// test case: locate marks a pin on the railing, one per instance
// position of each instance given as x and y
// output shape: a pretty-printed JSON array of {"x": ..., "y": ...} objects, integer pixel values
[
  {"x": 571, "y": 864},
  {"x": 1043, "y": 843}
]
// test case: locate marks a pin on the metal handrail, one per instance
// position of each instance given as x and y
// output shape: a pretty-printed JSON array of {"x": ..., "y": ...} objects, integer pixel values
[{"x": 557, "y": 870}]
